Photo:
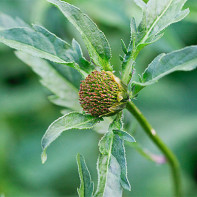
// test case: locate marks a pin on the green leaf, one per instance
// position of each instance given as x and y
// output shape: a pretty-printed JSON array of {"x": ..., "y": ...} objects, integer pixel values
[
  {"x": 95, "y": 40},
  {"x": 108, "y": 170},
  {"x": 117, "y": 122},
  {"x": 87, "y": 185},
  {"x": 124, "y": 135},
  {"x": 158, "y": 159},
  {"x": 65, "y": 94},
  {"x": 39, "y": 42},
  {"x": 7, "y": 22},
  {"x": 181, "y": 60},
  {"x": 118, "y": 151},
  {"x": 73, "y": 120},
  {"x": 157, "y": 15},
  {"x": 111, "y": 165}
]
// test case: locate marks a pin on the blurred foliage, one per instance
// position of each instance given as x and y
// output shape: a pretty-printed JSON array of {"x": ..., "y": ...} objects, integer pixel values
[{"x": 25, "y": 112}]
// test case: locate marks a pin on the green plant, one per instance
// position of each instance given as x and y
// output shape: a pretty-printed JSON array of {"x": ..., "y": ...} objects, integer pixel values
[{"x": 33, "y": 43}]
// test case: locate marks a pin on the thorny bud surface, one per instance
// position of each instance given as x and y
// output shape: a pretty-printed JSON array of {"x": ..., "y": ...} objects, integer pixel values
[{"x": 102, "y": 94}]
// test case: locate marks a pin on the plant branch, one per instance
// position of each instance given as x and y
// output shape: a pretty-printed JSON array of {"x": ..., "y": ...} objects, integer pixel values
[{"x": 173, "y": 163}]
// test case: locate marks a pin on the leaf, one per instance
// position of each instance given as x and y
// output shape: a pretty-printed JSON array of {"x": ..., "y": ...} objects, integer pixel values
[
  {"x": 124, "y": 135},
  {"x": 73, "y": 120},
  {"x": 39, "y": 42},
  {"x": 108, "y": 170},
  {"x": 87, "y": 185},
  {"x": 111, "y": 165},
  {"x": 95, "y": 40},
  {"x": 65, "y": 94},
  {"x": 117, "y": 122},
  {"x": 181, "y": 60},
  {"x": 158, "y": 159},
  {"x": 7, "y": 22},
  {"x": 118, "y": 151},
  {"x": 157, "y": 15}
]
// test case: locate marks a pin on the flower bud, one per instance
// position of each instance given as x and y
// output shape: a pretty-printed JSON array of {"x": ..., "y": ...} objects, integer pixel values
[{"x": 102, "y": 94}]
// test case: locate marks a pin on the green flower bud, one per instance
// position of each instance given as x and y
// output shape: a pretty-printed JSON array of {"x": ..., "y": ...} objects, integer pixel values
[{"x": 102, "y": 94}]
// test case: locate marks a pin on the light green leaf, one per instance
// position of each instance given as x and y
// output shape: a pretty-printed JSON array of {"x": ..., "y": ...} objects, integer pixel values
[
  {"x": 157, "y": 15},
  {"x": 95, "y": 40},
  {"x": 65, "y": 94},
  {"x": 117, "y": 122},
  {"x": 181, "y": 60},
  {"x": 124, "y": 135},
  {"x": 118, "y": 151},
  {"x": 111, "y": 166},
  {"x": 73, "y": 120},
  {"x": 7, "y": 22},
  {"x": 39, "y": 42},
  {"x": 108, "y": 170},
  {"x": 87, "y": 185},
  {"x": 158, "y": 159}
]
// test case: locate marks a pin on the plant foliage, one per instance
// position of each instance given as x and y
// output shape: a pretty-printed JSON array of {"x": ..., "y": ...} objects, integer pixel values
[{"x": 49, "y": 55}]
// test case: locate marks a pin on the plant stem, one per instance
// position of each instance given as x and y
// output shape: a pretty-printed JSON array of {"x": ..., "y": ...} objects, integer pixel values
[{"x": 172, "y": 161}]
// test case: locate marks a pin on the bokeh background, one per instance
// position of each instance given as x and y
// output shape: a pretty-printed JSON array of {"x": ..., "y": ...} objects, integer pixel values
[{"x": 25, "y": 112}]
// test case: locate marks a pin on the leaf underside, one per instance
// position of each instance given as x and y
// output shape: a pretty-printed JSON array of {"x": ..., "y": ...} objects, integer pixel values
[{"x": 73, "y": 120}]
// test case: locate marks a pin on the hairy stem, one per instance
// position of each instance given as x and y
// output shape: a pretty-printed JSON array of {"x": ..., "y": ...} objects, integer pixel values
[{"x": 172, "y": 161}]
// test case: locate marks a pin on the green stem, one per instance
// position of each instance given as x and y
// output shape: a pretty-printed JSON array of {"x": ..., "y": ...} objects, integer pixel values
[{"x": 173, "y": 163}]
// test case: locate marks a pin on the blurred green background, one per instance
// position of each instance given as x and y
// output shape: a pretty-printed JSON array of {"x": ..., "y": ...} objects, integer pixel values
[{"x": 25, "y": 112}]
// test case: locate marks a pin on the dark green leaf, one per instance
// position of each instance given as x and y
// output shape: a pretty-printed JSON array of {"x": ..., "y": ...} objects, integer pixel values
[
  {"x": 69, "y": 121},
  {"x": 96, "y": 42},
  {"x": 87, "y": 185},
  {"x": 39, "y": 42}
]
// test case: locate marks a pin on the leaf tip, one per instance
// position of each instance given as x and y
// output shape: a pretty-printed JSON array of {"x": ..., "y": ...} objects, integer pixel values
[{"x": 43, "y": 156}]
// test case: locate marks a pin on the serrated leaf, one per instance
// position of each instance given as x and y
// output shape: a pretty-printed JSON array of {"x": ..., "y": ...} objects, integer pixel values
[
  {"x": 65, "y": 94},
  {"x": 181, "y": 60},
  {"x": 124, "y": 135},
  {"x": 95, "y": 40},
  {"x": 111, "y": 165},
  {"x": 86, "y": 183},
  {"x": 73, "y": 120},
  {"x": 39, "y": 42}
]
